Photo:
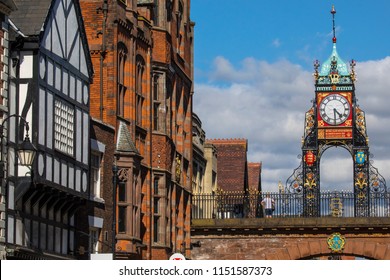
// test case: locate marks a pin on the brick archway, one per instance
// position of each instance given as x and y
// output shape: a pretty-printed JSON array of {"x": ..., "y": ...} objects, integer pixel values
[
  {"x": 367, "y": 247},
  {"x": 286, "y": 247},
  {"x": 288, "y": 239}
]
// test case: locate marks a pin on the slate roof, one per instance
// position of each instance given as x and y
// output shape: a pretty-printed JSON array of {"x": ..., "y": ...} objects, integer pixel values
[
  {"x": 8, "y": 5},
  {"x": 124, "y": 141},
  {"x": 30, "y": 15}
]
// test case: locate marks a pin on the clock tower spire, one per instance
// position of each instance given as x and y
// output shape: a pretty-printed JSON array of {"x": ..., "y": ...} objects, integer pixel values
[
  {"x": 333, "y": 12},
  {"x": 335, "y": 120}
]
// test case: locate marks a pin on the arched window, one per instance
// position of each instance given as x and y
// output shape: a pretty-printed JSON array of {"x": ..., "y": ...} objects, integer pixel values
[
  {"x": 169, "y": 6},
  {"x": 179, "y": 27},
  {"x": 121, "y": 88},
  {"x": 139, "y": 89}
]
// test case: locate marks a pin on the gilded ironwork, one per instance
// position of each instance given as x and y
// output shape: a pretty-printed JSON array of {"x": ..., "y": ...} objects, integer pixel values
[
  {"x": 294, "y": 183},
  {"x": 334, "y": 82},
  {"x": 360, "y": 120},
  {"x": 377, "y": 182},
  {"x": 310, "y": 121},
  {"x": 310, "y": 181},
  {"x": 316, "y": 73},
  {"x": 361, "y": 180},
  {"x": 334, "y": 73},
  {"x": 241, "y": 204},
  {"x": 352, "y": 64},
  {"x": 336, "y": 205}
]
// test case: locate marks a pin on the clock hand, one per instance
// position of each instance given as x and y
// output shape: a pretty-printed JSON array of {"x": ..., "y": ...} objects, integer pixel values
[
  {"x": 338, "y": 113},
  {"x": 334, "y": 113}
]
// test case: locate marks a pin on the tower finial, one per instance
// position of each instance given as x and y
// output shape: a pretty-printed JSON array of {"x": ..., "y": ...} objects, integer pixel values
[{"x": 333, "y": 11}]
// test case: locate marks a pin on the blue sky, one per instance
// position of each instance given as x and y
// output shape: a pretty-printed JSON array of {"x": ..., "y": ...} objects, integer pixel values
[
  {"x": 253, "y": 76},
  {"x": 299, "y": 31}
]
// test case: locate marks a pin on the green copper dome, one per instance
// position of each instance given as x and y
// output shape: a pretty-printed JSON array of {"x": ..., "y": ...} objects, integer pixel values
[{"x": 334, "y": 64}]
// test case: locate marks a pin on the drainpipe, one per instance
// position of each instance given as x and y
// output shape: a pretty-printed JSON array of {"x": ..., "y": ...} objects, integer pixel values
[
  {"x": 151, "y": 150},
  {"x": 114, "y": 186},
  {"x": 103, "y": 54}
]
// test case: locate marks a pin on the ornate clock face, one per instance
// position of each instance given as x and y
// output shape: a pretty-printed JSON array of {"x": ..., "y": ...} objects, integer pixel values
[{"x": 334, "y": 109}]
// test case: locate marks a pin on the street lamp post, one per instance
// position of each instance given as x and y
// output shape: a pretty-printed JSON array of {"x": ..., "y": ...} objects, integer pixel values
[
  {"x": 26, "y": 153},
  {"x": 26, "y": 150}
]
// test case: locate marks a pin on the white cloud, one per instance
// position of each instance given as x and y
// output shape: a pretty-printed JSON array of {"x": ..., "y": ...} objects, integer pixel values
[
  {"x": 337, "y": 169},
  {"x": 266, "y": 103}
]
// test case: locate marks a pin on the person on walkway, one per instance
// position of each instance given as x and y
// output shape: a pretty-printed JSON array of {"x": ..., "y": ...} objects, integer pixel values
[{"x": 268, "y": 204}]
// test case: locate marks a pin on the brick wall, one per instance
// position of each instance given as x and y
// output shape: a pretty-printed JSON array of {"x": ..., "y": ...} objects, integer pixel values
[
  {"x": 133, "y": 27},
  {"x": 289, "y": 238},
  {"x": 232, "y": 163},
  {"x": 105, "y": 134},
  {"x": 104, "y": 207},
  {"x": 254, "y": 176},
  {"x": 287, "y": 247}
]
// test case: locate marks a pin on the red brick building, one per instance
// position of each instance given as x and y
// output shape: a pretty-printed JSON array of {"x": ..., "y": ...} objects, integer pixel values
[
  {"x": 254, "y": 176},
  {"x": 234, "y": 171},
  {"x": 232, "y": 168},
  {"x": 142, "y": 53}
]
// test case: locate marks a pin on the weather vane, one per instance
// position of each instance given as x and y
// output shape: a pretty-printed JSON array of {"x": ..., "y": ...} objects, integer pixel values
[{"x": 333, "y": 11}]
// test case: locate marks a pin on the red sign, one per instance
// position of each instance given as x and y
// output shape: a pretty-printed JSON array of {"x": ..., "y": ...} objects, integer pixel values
[{"x": 335, "y": 133}]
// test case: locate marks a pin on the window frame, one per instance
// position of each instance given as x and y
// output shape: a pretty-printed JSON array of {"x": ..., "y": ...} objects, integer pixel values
[
  {"x": 96, "y": 185},
  {"x": 94, "y": 242}
]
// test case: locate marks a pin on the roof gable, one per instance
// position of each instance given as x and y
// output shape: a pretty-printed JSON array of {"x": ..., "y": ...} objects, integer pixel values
[
  {"x": 124, "y": 142},
  {"x": 59, "y": 26},
  {"x": 254, "y": 176}
]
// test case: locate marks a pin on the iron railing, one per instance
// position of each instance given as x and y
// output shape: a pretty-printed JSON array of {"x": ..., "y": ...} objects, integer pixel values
[{"x": 225, "y": 205}]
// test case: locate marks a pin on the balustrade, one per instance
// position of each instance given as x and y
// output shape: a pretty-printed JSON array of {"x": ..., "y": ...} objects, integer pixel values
[{"x": 226, "y": 205}]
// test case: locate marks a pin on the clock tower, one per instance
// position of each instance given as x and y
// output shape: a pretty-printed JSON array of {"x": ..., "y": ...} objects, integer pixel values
[{"x": 335, "y": 120}]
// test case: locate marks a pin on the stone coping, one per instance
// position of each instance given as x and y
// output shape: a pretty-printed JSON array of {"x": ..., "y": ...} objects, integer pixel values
[{"x": 262, "y": 223}]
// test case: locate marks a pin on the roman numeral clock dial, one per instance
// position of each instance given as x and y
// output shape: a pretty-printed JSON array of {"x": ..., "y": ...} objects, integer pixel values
[{"x": 334, "y": 109}]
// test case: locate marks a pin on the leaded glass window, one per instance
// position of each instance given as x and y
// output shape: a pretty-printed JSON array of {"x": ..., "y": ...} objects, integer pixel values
[{"x": 63, "y": 127}]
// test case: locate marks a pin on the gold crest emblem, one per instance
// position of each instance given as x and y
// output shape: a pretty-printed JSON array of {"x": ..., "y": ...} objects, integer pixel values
[{"x": 336, "y": 242}]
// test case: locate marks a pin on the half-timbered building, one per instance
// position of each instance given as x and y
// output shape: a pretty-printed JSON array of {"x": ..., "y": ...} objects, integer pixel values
[{"x": 49, "y": 87}]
